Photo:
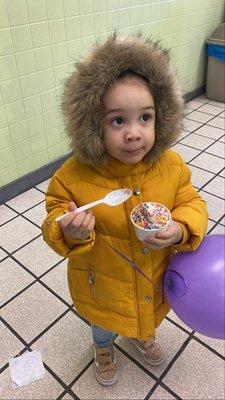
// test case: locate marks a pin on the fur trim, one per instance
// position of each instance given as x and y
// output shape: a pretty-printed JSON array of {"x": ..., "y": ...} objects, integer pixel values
[{"x": 82, "y": 105}]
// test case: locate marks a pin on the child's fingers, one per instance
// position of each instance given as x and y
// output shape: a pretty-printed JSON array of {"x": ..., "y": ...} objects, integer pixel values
[
  {"x": 153, "y": 241},
  {"x": 71, "y": 206},
  {"x": 89, "y": 228},
  {"x": 69, "y": 216},
  {"x": 83, "y": 223}
]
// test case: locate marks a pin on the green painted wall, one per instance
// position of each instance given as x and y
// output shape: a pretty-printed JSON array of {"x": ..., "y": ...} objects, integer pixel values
[{"x": 41, "y": 39}]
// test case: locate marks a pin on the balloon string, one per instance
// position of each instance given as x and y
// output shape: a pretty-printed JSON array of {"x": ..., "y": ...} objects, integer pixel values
[{"x": 132, "y": 263}]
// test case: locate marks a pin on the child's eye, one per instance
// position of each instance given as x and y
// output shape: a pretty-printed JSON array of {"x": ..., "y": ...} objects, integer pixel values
[
  {"x": 145, "y": 118},
  {"x": 118, "y": 121}
]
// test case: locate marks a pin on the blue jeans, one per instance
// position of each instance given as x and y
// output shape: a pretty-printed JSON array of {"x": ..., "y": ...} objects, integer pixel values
[{"x": 102, "y": 337}]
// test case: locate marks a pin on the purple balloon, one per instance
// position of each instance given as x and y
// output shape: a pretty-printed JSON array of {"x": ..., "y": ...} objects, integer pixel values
[{"x": 194, "y": 287}]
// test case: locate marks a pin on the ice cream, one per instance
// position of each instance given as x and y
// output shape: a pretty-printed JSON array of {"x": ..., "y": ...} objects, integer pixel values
[{"x": 148, "y": 218}]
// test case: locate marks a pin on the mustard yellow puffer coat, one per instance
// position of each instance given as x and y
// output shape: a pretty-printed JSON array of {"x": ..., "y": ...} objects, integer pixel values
[{"x": 104, "y": 287}]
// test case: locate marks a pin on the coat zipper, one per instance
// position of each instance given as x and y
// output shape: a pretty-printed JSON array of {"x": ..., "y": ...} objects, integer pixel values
[{"x": 91, "y": 281}]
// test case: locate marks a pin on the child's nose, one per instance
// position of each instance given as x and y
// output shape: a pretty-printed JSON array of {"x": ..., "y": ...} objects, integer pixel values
[{"x": 133, "y": 133}]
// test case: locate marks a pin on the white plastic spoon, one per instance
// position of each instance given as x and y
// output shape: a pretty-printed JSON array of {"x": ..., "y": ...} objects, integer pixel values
[{"x": 112, "y": 199}]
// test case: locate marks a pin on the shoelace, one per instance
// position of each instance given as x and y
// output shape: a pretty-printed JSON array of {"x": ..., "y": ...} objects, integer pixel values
[{"x": 103, "y": 364}]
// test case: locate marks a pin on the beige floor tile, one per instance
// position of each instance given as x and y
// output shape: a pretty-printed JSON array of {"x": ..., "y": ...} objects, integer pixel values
[
  {"x": 217, "y": 122},
  {"x": 215, "y": 205},
  {"x": 10, "y": 346},
  {"x": 6, "y": 214},
  {"x": 216, "y": 187},
  {"x": 15, "y": 278},
  {"x": 3, "y": 254},
  {"x": 197, "y": 374},
  {"x": 222, "y": 114},
  {"x": 26, "y": 200},
  {"x": 45, "y": 388},
  {"x": 43, "y": 185},
  {"x": 176, "y": 319},
  {"x": 56, "y": 279},
  {"x": 37, "y": 214},
  {"x": 169, "y": 336},
  {"x": 222, "y": 221},
  {"x": 132, "y": 383},
  {"x": 218, "y": 345},
  {"x": 222, "y": 173},
  {"x": 161, "y": 394},
  {"x": 210, "y": 224},
  {"x": 210, "y": 109},
  {"x": 217, "y": 149},
  {"x": 67, "y": 347},
  {"x": 219, "y": 229},
  {"x": 37, "y": 256},
  {"x": 32, "y": 311},
  {"x": 200, "y": 177},
  {"x": 217, "y": 103},
  {"x": 199, "y": 116},
  {"x": 197, "y": 141},
  {"x": 183, "y": 134},
  {"x": 16, "y": 233},
  {"x": 210, "y": 131},
  {"x": 202, "y": 99},
  {"x": 193, "y": 104},
  {"x": 187, "y": 111},
  {"x": 190, "y": 125},
  {"x": 208, "y": 162},
  {"x": 67, "y": 397},
  {"x": 186, "y": 152}
]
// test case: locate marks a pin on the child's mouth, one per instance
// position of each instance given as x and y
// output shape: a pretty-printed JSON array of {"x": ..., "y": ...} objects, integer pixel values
[{"x": 133, "y": 151}]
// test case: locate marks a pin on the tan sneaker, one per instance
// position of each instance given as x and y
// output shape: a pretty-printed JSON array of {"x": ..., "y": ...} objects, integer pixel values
[
  {"x": 151, "y": 351},
  {"x": 105, "y": 367}
]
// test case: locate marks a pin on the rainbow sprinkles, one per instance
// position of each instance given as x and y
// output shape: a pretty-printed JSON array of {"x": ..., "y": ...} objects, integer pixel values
[{"x": 151, "y": 216}]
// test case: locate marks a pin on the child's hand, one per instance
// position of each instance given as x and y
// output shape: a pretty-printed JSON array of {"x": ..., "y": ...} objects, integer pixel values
[
  {"x": 173, "y": 234},
  {"x": 77, "y": 226}
]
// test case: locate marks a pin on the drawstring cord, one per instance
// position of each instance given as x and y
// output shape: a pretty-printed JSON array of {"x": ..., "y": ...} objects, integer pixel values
[{"x": 135, "y": 266}]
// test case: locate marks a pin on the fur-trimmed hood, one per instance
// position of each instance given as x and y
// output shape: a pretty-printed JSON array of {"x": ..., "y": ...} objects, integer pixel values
[{"x": 82, "y": 104}]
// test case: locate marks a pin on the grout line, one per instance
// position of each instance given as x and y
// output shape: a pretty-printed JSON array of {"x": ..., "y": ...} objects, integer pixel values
[
  {"x": 69, "y": 390},
  {"x": 177, "y": 325},
  {"x": 165, "y": 387},
  {"x": 17, "y": 295},
  {"x": 137, "y": 363},
  {"x": 28, "y": 209},
  {"x": 208, "y": 347},
  {"x": 201, "y": 150},
  {"x": 216, "y": 224},
  {"x": 24, "y": 245},
  {"x": 36, "y": 279},
  {"x": 205, "y": 191},
  {"x": 54, "y": 375},
  {"x": 48, "y": 327},
  {"x": 177, "y": 355},
  {"x": 12, "y": 330}
]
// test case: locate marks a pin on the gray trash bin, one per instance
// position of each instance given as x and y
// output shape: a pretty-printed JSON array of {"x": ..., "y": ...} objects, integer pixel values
[{"x": 215, "y": 81}]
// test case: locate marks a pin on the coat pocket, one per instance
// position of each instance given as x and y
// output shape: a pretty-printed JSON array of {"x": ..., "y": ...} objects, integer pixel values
[{"x": 81, "y": 284}]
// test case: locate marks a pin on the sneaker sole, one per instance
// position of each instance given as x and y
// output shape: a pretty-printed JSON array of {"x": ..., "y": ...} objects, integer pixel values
[
  {"x": 103, "y": 381},
  {"x": 157, "y": 362}
]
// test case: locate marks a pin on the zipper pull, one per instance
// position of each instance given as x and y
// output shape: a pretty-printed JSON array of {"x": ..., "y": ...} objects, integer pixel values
[{"x": 91, "y": 277}]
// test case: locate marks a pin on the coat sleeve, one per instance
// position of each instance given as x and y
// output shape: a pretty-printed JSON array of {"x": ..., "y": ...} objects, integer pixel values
[
  {"x": 57, "y": 198},
  {"x": 190, "y": 211}
]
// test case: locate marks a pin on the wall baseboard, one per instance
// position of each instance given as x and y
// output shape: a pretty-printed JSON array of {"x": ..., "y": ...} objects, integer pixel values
[
  {"x": 195, "y": 93},
  {"x": 32, "y": 179}
]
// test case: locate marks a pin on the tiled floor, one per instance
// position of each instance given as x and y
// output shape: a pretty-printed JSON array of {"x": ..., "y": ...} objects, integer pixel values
[{"x": 36, "y": 311}]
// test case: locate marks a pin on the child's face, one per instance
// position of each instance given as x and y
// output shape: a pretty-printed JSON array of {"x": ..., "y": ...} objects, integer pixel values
[{"x": 129, "y": 120}]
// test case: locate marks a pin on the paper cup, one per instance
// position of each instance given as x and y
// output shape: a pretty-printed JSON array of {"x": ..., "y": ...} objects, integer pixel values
[{"x": 161, "y": 215}]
